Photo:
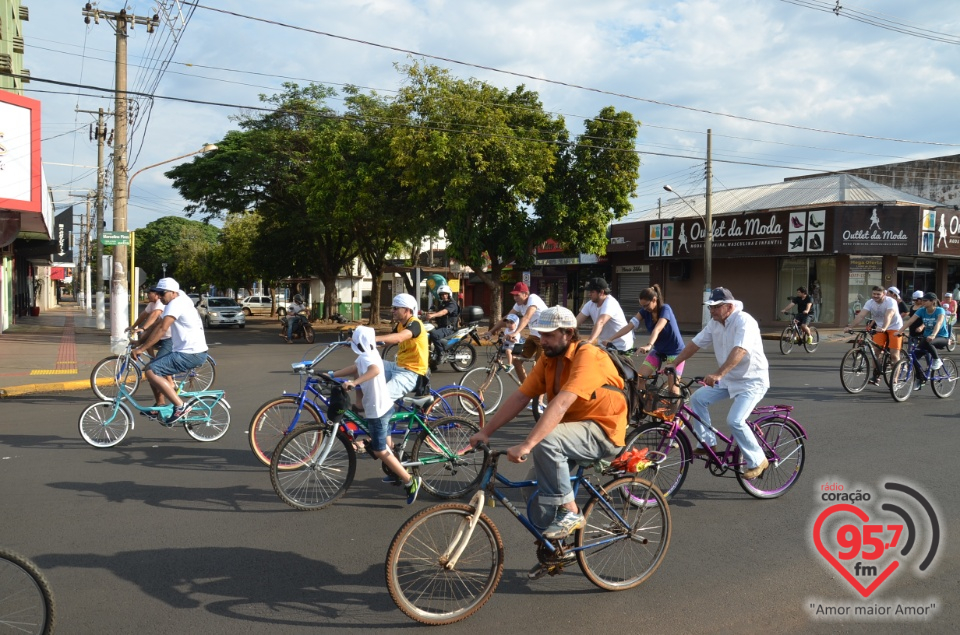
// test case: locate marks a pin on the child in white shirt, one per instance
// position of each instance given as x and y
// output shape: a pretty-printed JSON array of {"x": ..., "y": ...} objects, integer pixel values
[{"x": 512, "y": 321}]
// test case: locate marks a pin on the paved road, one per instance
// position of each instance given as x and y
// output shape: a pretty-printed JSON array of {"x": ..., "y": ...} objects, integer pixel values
[{"x": 164, "y": 534}]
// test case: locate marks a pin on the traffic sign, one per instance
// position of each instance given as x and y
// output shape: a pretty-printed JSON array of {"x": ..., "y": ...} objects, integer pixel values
[{"x": 115, "y": 238}]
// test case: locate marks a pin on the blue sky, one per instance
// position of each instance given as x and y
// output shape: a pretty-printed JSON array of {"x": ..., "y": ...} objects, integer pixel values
[{"x": 773, "y": 79}]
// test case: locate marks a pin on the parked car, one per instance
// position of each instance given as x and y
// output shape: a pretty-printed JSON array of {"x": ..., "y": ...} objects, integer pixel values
[
  {"x": 260, "y": 303},
  {"x": 221, "y": 312},
  {"x": 195, "y": 298}
]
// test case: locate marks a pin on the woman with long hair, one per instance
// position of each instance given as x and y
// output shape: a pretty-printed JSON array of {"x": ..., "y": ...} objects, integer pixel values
[{"x": 665, "y": 341}]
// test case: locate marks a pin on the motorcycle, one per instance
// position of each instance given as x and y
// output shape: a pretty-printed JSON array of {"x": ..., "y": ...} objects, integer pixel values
[
  {"x": 301, "y": 330},
  {"x": 456, "y": 349}
]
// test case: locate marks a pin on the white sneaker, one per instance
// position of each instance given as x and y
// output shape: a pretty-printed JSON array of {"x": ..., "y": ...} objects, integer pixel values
[{"x": 936, "y": 364}]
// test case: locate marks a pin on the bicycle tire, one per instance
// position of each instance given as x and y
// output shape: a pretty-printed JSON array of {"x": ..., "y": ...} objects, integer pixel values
[
  {"x": 670, "y": 473},
  {"x": 855, "y": 371},
  {"x": 197, "y": 379},
  {"x": 782, "y": 436},
  {"x": 815, "y": 336},
  {"x": 456, "y": 401},
  {"x": 26, "y": 599},
  {"x": 901, "y": 380},
  {"x": 272, "y": 421},
  {"x": 486, "y": 384},
  {"x": 389, "y": 353},
  {"x": 208, "y": 419},
  {"x": 308, "y": 334},
  {"x": 787, "y": 340},
  {"x": 626, "y": 555},
  {"x": 419, "y": 583},
  {"x": 943, "y": 381},
  {"x": 303, "y": 484},
  {"x": 105, "y": 424},
  {"x": 462, "y": 357},
  {"x": 105, "y": 377},
  {"x": 887, "y": 367},
  {"x": 440, "y": 475},
  {"x": 952, "y": 340}
]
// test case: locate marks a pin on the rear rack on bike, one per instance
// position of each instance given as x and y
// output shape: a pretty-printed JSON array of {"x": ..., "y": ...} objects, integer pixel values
[{"x": 772, "y": 409}]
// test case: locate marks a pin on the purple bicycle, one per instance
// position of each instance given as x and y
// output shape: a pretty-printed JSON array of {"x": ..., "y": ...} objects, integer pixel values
[{"x": 780, "y": 436}]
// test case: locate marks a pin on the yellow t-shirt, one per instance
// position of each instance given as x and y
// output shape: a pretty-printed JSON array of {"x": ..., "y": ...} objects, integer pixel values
[{"x": 412, "y": 353}]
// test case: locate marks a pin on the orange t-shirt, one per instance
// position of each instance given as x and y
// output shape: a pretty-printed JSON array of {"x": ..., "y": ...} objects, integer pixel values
[{"x": 584, "y": 373}]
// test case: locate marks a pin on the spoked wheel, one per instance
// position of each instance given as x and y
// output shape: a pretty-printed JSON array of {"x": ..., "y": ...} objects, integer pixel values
[
  {"x": 389, "y": 353},
  {"x": 105, "y": 424},
  {"x": 302, "y": 477},
  {"x": 308, "y": 333},
  {"x": 787, "y": 340},
  {"x": 110, "y": 372},
  {"x": 272, "y": 420},
  {"x": 463, "y": 357},
  {"x": 624, "y": 542},
  {"x": 952, "y": 340},
  {"x": 487, "y": 385},
  {"x": 782, "y": 444},
  {"x": 944, "y": 379},
  {"x": 26, "y": 601},
  {"x": 418, "y": 578},
  {"x": 449, "y": 469},
  {"x": 208, "y": 419},
  {"x": 887, "y": 367},
  {"x": 668, "y": 475},
  {"x": 855, "y": 371},
  {"x": 197, "y": 379},
  {"x": 456, "y": 401},
  {"x": 901, "y": 380},
  {"x": 814, "y": 336}
]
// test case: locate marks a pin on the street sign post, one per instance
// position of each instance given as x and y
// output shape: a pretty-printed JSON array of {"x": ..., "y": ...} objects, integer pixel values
[{"x": 116, "y": 238}]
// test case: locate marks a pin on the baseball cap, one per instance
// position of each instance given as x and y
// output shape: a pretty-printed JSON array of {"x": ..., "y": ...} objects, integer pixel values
[
  {"x": 166, "y": 284},
  {"x": 930, "y": 295},
  {"x": 363, "y": 340},
  {"x": 720, "y": 295},
  {"x": 556, "y": 317},
  {"x": 948, "y": 295},
  {"x": 917, "y": 295},
  {"x": 405, "y": 301},
  {"x": 895, "y": 291},
  {"x": 520, "y": 287},
  {"x": 597, "y": 284}
]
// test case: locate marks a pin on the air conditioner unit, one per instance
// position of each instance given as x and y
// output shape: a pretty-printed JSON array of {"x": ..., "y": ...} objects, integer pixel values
[
  {"x": 17, "y": 44},
  {"x": 24, "y": 13},
  {"x": 25, "y": 76},
  {"x": 6, "y": 63}
]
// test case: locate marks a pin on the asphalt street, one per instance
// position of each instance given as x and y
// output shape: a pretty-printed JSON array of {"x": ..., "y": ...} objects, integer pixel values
[{"x": 164, "y": 534}]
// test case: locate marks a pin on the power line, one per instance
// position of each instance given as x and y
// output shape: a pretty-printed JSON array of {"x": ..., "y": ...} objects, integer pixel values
[{"x": 875, "y": 19}]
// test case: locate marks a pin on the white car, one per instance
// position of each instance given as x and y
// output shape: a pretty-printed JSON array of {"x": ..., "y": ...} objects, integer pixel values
[
  {"x": 221, "y": 312},
  {"x": 259, "y": 304}
]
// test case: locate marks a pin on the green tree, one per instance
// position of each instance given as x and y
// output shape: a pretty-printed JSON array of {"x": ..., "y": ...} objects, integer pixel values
[
  {"x": 236, "y": 260},
  {"x": 162, "y": 241}
]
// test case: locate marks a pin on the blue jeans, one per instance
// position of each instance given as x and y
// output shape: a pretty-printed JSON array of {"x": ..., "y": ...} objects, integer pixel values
[
  {"x": 379, "y": 431},
  {"x": 292, "y": 322},
  {"x": 576, "y": 440},
  {"x": 743, "y": 405},
  {"x": 400, "y": 380},
  {"x": 176, "y": 362}
]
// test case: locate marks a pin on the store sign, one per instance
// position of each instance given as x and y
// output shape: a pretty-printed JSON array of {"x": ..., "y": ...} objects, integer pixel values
[
  {"x": 760, "y": 234},
  {"x": 878, "y": 230},
  {"x": 940, "y": 232},
  {"x": 20, "y": 175}
]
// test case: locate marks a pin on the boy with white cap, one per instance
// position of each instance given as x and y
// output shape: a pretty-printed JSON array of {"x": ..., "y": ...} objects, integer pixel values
[{"x": 377, "y": 405}]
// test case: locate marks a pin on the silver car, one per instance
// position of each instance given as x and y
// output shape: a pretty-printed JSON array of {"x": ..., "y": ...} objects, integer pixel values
[{"x": 221, "y": 312}]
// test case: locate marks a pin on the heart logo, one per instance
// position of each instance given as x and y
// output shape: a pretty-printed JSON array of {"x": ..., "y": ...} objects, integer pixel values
[{"x": 829, "y": 557}]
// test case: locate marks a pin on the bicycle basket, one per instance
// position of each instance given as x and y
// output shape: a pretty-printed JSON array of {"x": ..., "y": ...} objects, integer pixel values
[{"x": 661, "y": 404}]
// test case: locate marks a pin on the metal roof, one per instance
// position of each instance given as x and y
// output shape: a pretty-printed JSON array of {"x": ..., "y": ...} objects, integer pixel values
[{"x": 820, "y": 191}]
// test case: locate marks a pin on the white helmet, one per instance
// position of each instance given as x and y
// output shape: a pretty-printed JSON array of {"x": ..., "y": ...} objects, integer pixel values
[{"x": 445, "y": 289}]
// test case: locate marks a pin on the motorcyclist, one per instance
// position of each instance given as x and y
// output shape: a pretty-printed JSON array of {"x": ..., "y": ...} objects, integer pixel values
[
  {"x": 293, "y": 316},
  {"x": 445, "y": 318}
]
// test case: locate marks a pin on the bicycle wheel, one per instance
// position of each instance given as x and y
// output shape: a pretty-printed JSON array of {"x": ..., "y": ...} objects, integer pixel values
[
  {"x": 668, "y": 475},
  {"x": 815, "y": 336},
  {"x": 105, "y": 424},
  {"x": 197, "y": 379},
  {"x": 887, "y": 367},
  {"x": 300, "y": 479},
  {"x": 389, "y": 353},
  {"x": 952, "y": 340},
  {"x": 462, "y": 357},
  {"x": 854, "y": 371},
  {"x": 418, "y": 579},
  {"x": 944, "y": 380},
  {"x": 308, "y": 333},
  {"x": 783, "y": 445},
  {"x": 456, "y": 401},
  {"x": 787, "y": 340},
  {"x": 445, "y": 476},
  {"x": 901, "y": 380},
  {"x": 208, "y": 419},
  {"x": 487, "y": 385},
  {"x": 273, "y": 420},
  {"x": 26, "y": 601},
  {"x": 110, "y": 372},
  {"x": 622, "y": 545}
]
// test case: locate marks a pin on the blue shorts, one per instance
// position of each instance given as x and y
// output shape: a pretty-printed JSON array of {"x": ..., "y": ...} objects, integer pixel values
[
  {"x": 379, "y": 429},
  {"x": 173, "y": 363},
  {"x": 164, "y": 347}
]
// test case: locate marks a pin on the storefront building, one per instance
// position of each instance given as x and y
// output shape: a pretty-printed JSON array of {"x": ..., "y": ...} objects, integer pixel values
[{"x": 837, "y": 235}]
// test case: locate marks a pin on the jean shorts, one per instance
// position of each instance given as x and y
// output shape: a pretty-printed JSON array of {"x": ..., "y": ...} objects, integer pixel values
[
  {"x": 379, "y": 429},
  {"x": 173, "y": 363}
]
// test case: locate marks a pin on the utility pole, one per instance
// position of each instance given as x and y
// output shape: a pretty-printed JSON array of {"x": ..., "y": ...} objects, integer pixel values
[
  {"x": 708, "y": 220},
  {"x": 121, "y": 22},
  {"x": 103, "y": 137}
]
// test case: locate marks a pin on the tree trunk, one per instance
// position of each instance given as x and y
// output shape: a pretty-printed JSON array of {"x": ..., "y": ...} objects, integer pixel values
[
  {"x": 331, "y": 298},
  {"x": 492, "y": 281},
  {"x": 377, "y": 279}
]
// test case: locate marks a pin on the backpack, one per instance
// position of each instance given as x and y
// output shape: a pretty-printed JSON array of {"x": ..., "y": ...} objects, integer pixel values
[{"x": 630, "y": 377}]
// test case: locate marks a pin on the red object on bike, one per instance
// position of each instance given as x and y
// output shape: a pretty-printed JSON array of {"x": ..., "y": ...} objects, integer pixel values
[{"x": 633, "y": 460}]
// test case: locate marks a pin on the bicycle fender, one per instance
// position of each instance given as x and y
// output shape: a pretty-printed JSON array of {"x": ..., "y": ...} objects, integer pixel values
[
  {"x": 464, "y": 536},
  {"x": 803, "y": 432}
]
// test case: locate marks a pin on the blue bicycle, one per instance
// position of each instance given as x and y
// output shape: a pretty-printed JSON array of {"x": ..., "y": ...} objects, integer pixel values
[{"x": 913, "y": 371}]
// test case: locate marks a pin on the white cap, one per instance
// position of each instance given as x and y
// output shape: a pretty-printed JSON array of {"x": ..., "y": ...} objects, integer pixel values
[
  {"x": 556, "y": 317},
  {"x": 166, "y": 284},
  {"x": 917, "y": 295},
  {"x": 405, "y": 301},
  {"x": 895, "y": 291}
]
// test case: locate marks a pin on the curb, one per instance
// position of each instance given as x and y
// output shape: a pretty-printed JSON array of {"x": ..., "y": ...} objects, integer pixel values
[{"x": 32, "y": 389}]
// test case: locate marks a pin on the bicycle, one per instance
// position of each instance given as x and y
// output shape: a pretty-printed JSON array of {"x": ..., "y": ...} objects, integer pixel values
[
  {"x": 111, "y": 371},
  {"x": 780, "y": 436},
  {"x": 446, "y": 561},
  {"x": 862, "y": 363},
  {"x": 793, "y": 336},
  {"x": 909, "y": 375},
  {"x": 106, "y": 423},
  {"x": 486, "y": 382},
  {"x": 314, "y": 465},
  {"x": 26, "y": 600},
  {"x": 952, "y": 340},
  {"x": 278, "y": 417}
]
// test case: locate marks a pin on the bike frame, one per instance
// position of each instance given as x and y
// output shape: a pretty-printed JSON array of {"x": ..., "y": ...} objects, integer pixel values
[
  {"x": 125, "y": 399},
  {"x": 128, "y": 358}
]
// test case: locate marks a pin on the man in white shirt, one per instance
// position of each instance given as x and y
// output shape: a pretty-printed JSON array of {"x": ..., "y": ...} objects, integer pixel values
[
  {"x": 882, "y": 309},
  {"x": 735, "y": 337},
  {"x": 189, "y": 344},
  {"x": 528, "y": 307},
  {"x": 607, "y": 316}
]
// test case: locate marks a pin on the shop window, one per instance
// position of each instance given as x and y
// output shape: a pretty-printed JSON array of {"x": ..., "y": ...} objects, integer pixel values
[{"x": 818, "y": 275}]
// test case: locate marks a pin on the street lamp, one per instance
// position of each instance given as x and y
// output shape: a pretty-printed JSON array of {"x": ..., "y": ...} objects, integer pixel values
[
  {"x": 707, "y": 247},
  {"x": 164, "y": 265}
]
